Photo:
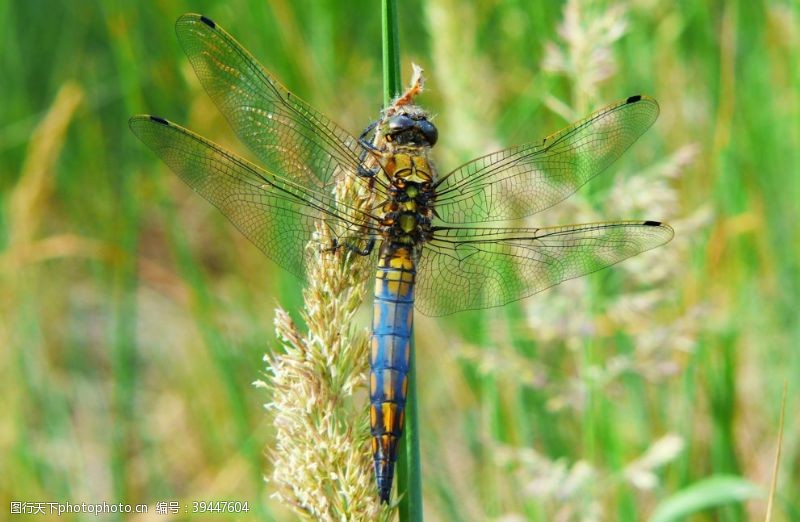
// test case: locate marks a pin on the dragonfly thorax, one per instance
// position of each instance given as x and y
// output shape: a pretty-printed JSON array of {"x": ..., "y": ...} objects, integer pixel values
[
  {"x": 410, "y": 196},
  {"x": 407, "y": 224}
]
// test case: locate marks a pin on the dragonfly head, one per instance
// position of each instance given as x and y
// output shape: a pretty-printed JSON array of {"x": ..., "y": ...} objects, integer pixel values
[{"x": 409, "y": 129}]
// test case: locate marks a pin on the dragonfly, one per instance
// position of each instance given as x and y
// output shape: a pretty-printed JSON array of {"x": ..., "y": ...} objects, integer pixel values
[{"x": 440, "y": 244}]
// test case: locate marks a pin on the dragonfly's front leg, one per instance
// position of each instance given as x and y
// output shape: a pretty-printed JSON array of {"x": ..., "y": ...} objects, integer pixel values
[
  {"x": 369, "y": 147},
  {"x": 352, "y": 247}
]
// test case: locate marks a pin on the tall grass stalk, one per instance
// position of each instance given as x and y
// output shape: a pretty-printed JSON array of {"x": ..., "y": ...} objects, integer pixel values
[
  {"x": 408, "y": 472},
  {"x": 773, "y": 485}
]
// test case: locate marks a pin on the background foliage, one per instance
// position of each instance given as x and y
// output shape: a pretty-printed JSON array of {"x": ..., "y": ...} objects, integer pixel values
[{"x": 133, "y": 317}]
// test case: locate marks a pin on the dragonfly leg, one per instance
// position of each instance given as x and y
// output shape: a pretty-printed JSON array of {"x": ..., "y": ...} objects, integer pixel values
[
  {"x": 364, "y": 172},
  {"x": 352, "y": 247},
  {"x": 365, "y": 251},
  {"x": 363, "y": 140}
]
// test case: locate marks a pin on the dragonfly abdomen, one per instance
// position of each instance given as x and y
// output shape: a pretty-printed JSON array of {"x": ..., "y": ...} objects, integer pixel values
[{"x": 390, "y": 356}]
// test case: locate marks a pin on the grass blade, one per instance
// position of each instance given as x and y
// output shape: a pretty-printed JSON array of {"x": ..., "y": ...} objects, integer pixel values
[{"x": 711, "y": 492}]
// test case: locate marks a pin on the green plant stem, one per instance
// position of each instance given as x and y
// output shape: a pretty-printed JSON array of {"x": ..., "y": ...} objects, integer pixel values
[
  {"x": 409, "y": 481},
  {"x": 391, "y": 51},
  {"x": 409, "y": 468}
]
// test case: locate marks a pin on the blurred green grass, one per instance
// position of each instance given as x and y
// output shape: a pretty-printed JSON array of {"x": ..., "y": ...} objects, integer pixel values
[{"x": 133, "y": 318}]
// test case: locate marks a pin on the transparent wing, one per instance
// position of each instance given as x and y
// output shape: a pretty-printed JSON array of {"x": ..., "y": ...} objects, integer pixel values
[
  {"x": 526, "y": 179},
  {"x": 474, "y": 268},
  {"x": 275, "y": 213},
  {"x": 288, "y": 135}
]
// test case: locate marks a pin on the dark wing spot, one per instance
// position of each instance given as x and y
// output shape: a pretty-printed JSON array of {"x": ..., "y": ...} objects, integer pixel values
[
  {"x": 156, "y": 119},
  {"x": 208, "y": 21},
  {"x": 652, "y": 223},
  {"x": 634, "y": 99}
]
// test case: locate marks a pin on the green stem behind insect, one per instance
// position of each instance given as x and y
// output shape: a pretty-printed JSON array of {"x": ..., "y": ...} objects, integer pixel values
[
  {"x": 409, "y": 482},
  {"x": 391, "y": 51}
]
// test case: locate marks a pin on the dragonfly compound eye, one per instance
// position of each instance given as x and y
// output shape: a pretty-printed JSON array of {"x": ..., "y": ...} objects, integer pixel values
[
  {"x": 428, "y": 130},
  {"x": 400, "y": 123}
]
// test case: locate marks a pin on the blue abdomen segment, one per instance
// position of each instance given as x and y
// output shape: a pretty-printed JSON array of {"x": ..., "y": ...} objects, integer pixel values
[{"x": 389, "y": 360}]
